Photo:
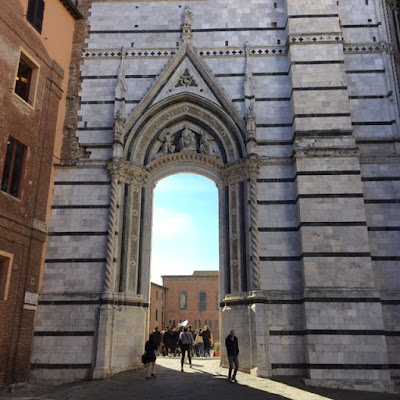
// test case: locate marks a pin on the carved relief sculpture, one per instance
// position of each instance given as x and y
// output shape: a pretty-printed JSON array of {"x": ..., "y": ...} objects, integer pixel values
[
  {"x": 206, "y": 144},
  {"x": 188, "y": 140},
  {"x": 168, "y": 146},
  {"x": 118, "y": 129}
]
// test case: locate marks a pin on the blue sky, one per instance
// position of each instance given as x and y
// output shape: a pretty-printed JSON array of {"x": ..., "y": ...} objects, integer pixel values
[{"x": 185, "y": 226}]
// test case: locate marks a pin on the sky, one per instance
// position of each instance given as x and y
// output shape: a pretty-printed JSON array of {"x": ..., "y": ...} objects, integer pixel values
[{"x": 185, "y": 226}]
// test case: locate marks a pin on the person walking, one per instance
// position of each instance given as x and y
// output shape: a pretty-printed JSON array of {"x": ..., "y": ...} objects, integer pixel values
[
  {"x": 174, "y": 341},
  {"x": 150, "y": 348},
  {"x": 232, "y": 348},
  {"x": 199, "y": 343},
  {"x": 157, "y": 338},
  {"x": 186, "y": 342},
  {"x": 206, "y": 334}
]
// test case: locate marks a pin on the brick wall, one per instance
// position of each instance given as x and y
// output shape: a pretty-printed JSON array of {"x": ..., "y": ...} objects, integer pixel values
[
  {"x": 22, "y": 219},
  {"x": 157, "y": 306},
  {"x": 192, "y": 285}
]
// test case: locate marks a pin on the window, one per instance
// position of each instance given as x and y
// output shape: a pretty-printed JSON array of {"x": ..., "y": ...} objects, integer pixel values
[
  {"x": 26, "y": 79},
  {"x": 35, "y": 14},
  {"x": 202, "y": 301},
  {"x": 6, "y": 260},
  {"x": 156, "y": 294},
  {"x": 13, "y": 166},
  {"x": 156, "y": 315},
  {"x": 23, "y": 80},
  {"x": 182, "y": 300}
]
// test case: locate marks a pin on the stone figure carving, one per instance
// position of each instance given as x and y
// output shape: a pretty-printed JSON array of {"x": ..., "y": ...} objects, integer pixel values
[
  {"x": 168, "y": 146},
  {"x": 187, "y": 25},
  {"x": 249, "y": 85},
  {"x": 206, "y": 144},
  {"x": 187, "y": 17},
  {"x": 250, "y": 122},
  {"x": 118, "y": 128},
  {"x": 188, "y": 140}
]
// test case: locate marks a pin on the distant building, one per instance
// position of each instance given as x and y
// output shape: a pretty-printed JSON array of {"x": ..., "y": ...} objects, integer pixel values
[
  {"x": 157, "y": 302},
  {"x": 36, "y": 41},
  {"x": 194, "y": 298}
]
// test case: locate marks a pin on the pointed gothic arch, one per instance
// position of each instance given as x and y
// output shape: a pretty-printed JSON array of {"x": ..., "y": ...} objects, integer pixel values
[{"x": 150, "y": 145}]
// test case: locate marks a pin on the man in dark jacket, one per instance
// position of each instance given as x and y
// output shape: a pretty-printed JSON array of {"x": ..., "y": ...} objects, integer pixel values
[
  {"x": 232, "y": 348},
  {"x": 157, "y": 338}
]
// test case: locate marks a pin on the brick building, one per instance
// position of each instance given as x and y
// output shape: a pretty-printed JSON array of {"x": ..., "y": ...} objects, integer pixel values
[
  {"x": 36, "y": 42},
  {"x": 194, "y": 298},
  {"x": 157, "y": 305}
]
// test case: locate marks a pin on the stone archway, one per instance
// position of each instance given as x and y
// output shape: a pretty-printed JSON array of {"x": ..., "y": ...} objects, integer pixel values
[{"x": 153, "y": 148}]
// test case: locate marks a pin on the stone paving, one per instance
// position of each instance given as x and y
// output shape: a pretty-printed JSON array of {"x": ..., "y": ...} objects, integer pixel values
[{"x": 206, "y": 380}]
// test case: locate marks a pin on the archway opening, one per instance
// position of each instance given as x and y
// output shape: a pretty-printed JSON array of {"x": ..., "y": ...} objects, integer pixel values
[{"x": 185, "y": 254}]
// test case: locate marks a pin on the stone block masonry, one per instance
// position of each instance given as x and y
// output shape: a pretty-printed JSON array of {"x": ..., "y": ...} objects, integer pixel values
[{"x": 308, "y": 183}]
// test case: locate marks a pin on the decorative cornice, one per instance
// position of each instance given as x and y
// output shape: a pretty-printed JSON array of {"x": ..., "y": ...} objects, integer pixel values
[
  {"x": 334, "y": 37},
  {"x": 171, "y": 52},
  {"x": 360, "y": 48}
]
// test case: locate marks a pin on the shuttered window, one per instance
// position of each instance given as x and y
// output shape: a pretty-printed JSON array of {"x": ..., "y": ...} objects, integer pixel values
[{"x": 35, "y": 14}]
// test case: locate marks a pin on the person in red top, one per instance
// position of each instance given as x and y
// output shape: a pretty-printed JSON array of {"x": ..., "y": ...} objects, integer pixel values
[{"x": 232, "y": 348}]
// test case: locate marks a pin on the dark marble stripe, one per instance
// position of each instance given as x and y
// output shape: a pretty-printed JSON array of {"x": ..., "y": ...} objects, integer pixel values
[
  {"x": 314, "y": 16},
  {"x": 74, "y": 260},
  {"x": 336, "y": 366},
  {"x": 348, "y": 332},
  {"x": 77, "y": 233},
  {"x": 373, "y": 123},
  {"x": 360, "y": 26},
  {"x": 61, "y": 366},
  {"x": 84, "y": 183},
  {"x": 380, "y": 179},
  {"x": 382, "y": 201},
  {"x": 384, "y": 228},
  {"x": 63, "y": 333},
  {"x": 73, "y": 207},
  {"x": 365, "y": 71}
]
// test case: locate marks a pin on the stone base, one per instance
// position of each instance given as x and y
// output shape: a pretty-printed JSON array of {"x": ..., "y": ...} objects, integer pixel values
[
  {"x": 368, "y": 386},
  {"x": 101, "y": 373}
]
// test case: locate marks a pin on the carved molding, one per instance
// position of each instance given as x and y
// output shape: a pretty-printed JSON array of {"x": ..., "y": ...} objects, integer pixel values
[
  {"x": 158, "y": 122},
  {"x": 248, "y": 168},
  {"x": 210, "y": 162},
  {"x": 126, "y": 172}
]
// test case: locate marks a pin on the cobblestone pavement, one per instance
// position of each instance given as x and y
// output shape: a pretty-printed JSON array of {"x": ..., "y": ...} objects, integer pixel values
[{"x": 206, "y": 380}]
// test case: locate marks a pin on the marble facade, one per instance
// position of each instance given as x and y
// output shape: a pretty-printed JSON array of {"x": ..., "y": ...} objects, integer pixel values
[{"x": 292, "y": 109}]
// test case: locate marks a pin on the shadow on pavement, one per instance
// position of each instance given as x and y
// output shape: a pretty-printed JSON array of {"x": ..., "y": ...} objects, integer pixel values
[
  {"x": 206, "y": 380},
  {"x": 335, "y": 394}
]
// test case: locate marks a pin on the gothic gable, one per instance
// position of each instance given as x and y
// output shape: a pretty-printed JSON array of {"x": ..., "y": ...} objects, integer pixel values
[{"x": 186, "y": 74}]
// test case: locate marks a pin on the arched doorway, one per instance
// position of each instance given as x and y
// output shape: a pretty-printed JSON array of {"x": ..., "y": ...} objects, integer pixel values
[
  {"x": 185, "y": 133},
  {"x": 185, "y": 254}
]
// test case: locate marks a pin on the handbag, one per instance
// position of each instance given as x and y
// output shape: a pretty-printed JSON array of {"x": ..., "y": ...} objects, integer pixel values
[{"x": 144, "y": 358}]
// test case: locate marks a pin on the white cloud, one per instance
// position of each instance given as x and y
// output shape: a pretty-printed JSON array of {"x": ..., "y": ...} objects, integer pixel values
[{"x": 168, "y": 222}]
